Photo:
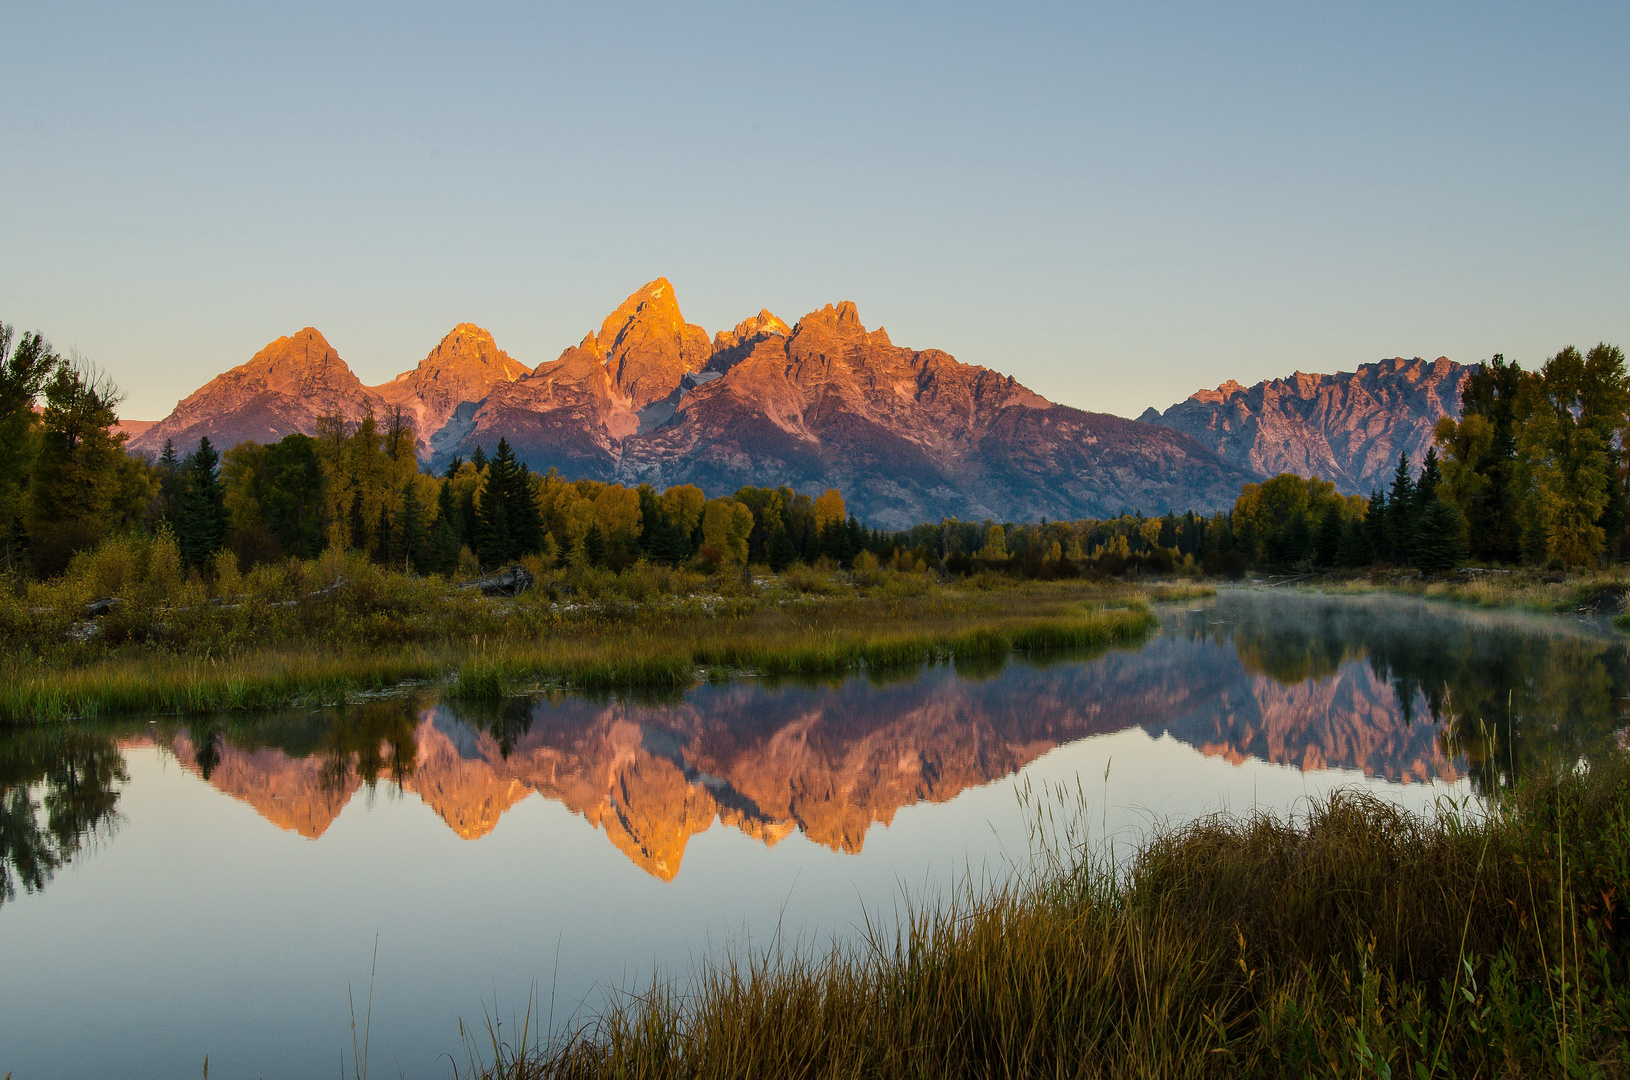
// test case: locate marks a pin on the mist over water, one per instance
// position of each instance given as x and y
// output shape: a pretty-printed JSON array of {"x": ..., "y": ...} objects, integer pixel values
[{"x": 170, "y": 889}]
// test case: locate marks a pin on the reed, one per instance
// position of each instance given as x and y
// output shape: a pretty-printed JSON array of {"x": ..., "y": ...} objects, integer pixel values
[
  {"x": 488, "y": 649},
  {"x": 1357, "y": 940}
]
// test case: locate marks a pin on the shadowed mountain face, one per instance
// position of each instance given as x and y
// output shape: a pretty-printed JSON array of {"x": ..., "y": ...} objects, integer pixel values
[
  {"x": 907, "y": 435},
  {"x": 1402, "y": 692},
  {"x": 1348, "y": 428}
]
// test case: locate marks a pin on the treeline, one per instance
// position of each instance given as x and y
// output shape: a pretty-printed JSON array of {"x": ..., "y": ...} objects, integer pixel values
[{"x": 66, "y": 484}]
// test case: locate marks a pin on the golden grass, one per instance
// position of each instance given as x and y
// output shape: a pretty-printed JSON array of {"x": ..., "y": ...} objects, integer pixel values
[
  {"x": 1358, "y": 941},
  {"x": 578, "y": 645}
]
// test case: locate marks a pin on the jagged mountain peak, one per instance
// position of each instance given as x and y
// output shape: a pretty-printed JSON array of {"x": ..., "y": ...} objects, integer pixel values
[
  {"x": 280, "y": 390},
  {"x": 1348, "y": 428},
  {"x": 649, "y": 347}
]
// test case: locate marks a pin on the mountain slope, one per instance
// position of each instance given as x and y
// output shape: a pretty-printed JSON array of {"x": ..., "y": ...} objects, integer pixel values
[
  {"x": 908, "y": 435},
  {"x": 913, "y": 435},
  {"x": 1348, "y": 428},
  {"x": 283, "y": 389}
]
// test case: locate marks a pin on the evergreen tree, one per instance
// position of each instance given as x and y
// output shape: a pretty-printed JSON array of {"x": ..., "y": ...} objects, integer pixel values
[
  {"x": 24, "y": 372},
  {"x": 1438, "y": 544},
  {"x": 452, "y": 468},
  {"x": 478, "y": 457},
  {"x": 1327, "y": 542},
  {"x": 1426, "y": 488},
  {"x": 1354, "y": 549},
  {"x": 1401, "y": 513},
  {"x": 202, "y": 529},
  {"x": 594, "y": 546},
  {"x": 507, "y": 522},
  {"x": 359, "y": 529},
  {"x": 78, "y": 470},
  {"x": 782, "y": 552},
  {"x": 384, "y": 551},
  {"x": 1375, "y": 527},
  {"x": 172, "y": 484}
]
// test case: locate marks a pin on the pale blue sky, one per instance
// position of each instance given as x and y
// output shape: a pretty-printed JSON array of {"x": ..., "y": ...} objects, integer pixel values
[{"x": 1115, "y": 205}]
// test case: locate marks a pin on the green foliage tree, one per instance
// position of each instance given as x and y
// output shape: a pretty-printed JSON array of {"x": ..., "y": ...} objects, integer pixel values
[
  {"x": 24, "y": 372},
  {"x": 1439, "y": 537},
  {"x": 76, "y": 494},
  {"x": 1401, "y": 512},
  {"x": 203, "y": 526},
  {"x": 1480, "y": 458},
  {"x": 1375, "y": 526},
  {"x": 1327, "y": 541},
  {"x": 1573, "y": 414},
  {"x": 507, "y": 524}
]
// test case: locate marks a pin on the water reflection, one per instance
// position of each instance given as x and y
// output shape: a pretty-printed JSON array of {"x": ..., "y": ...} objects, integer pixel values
[
  {"x": 1395, "y": 689},
  {"x": 58, "y": 795}
]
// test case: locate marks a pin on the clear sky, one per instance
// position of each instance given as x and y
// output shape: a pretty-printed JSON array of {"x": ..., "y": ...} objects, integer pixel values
[{"x": 1117, "y": 205}]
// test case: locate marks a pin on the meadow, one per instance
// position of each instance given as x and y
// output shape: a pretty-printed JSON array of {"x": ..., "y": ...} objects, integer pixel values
[{"x": 316, "y": 631}]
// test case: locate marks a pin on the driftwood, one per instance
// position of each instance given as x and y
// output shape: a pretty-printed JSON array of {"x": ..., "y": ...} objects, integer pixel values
[{"x": 510, "y": 582}]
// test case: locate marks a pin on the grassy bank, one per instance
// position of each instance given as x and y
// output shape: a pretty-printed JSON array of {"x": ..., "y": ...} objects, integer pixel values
[
  {"x": 1357, "y": 941},
  {"x": 262, "y": 647},
  {"x": 1595, "y": 593}
]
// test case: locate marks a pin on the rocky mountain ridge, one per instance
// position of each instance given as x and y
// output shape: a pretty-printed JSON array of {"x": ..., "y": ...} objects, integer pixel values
[
  {"x": 832, "y": 763},
  {"x": 908, "y": 435},
  {"x": 1348, "y": 428}
]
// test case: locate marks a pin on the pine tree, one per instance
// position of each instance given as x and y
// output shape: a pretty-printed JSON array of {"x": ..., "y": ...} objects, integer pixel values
[
  {"x": 1327, "y": 542},
  {"x": 384, "y": 551},
  {"x": 781, "y": 551},
  {"x": 507, "y": 522},
  {"x": 1438, "y": 543},
  {"x": 478, "y": 457},
  {"x": 1426, "y": 488},
  {"x": 1375, "y": 526},
  {"x": 172, "y": 483},
  {"x": 359, "y": 529},
  {"x": 594, "y": 546},
  {"x": 24, "y": 372},
  {"x": 411, "y": 536},
  {"x": 1354, "y": 549},
  {"x": 202, "y": 529},
  {"x": 1401, "y": 513}
]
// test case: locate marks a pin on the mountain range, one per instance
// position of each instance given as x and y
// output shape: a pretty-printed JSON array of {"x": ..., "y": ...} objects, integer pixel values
[
  {"x": 832, "y": 763},
  {"x": 907, "y": 435}
]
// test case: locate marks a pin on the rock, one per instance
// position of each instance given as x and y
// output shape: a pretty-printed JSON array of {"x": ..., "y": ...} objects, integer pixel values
[
  {"x": 509, "y": 582},
  {"x": 1348, "y": 428},
  {"x": 101, "y": 606}
]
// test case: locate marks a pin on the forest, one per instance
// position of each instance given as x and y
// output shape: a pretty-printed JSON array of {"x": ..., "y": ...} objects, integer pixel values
[{"x": 1533, "y": 471}]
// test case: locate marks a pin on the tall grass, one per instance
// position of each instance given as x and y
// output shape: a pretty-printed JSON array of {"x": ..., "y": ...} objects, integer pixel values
[
  {"x": 380, "y": 630},
  {"x": 1358, "y": 940}
]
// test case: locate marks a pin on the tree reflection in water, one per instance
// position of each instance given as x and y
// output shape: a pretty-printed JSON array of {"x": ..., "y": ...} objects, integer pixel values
[
  {"x": 1514, "y": 693},
  {"x": 72, "y": 774}
]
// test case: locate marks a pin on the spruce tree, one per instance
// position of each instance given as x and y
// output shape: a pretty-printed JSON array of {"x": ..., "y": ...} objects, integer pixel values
[
  {"x": 782, "y": 552},
  {"x": 1401, "y": 513},
  {"x": 1327, "y": 542},
  {"x": 1438, "y": 544},
  {"x": 594, "y": 546},
  {"x": 507, "y": 522},
  {"x": 202, "y": 529},
  {"x": 410, "y": 529},
  {"x": 384, "y": 551},
  {"x": 359, "y": 528},
  {"x": 1354, "y": 549},
  {"x": 1375, "y": 526}
]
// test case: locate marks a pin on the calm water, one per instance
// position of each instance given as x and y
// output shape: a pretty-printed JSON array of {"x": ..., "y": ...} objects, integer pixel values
[{"x": 175, "y": 890}]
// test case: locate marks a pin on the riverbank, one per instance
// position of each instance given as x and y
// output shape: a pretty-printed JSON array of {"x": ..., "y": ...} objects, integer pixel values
[
  {"x": 1598, "y": 595},
  {"x": 315, "y": 634},
  {"x": 1357, "y": 940}
]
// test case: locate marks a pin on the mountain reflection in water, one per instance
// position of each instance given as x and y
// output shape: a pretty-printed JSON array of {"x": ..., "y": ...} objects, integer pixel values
[{"x": 1400, "y": 690}]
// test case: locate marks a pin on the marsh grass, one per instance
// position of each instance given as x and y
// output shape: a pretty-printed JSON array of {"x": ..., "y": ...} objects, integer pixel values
[
  {"x": 1597, "y": 593},
  {"x": 1356, "y": 940},
  {"x": 269, "y": 644}
]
